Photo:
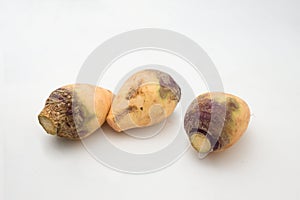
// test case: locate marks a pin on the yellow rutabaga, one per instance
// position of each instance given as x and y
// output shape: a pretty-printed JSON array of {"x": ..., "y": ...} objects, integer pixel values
[{"x": 146, "y": 98}]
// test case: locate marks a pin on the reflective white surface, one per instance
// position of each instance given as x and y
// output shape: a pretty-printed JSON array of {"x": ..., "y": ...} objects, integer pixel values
[{"x": 255, "y": 46}]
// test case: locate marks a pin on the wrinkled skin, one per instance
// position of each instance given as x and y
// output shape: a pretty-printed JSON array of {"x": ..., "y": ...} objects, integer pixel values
[
  {"x": 216, "y": 121},
  {"x": 75, "y": 111},
  {"x": 146, "y": 98}
]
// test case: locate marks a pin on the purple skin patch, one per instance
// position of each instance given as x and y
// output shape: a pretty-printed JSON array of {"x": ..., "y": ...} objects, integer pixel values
[
  {"x": 71, "y": 118},
  {"x": 198, "y": 119}
]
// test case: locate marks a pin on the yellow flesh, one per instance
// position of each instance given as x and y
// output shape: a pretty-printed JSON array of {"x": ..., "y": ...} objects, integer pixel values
[
  {"x": 200, "y": 143},
  {"x": 48, "y": 125}
]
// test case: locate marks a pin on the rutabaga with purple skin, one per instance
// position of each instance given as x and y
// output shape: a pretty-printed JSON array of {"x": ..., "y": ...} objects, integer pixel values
[
  {"x": 75, "y": 111},
  {"x": 216, "y": 121}
]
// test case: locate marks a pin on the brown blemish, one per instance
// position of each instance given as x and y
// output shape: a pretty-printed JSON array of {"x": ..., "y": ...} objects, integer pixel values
[
  {"x": 132, "y": 108},
  {"x": 130, "y": 93},
  {"x": 163, "y": 92},
  {"x": 123, "y": 113}
]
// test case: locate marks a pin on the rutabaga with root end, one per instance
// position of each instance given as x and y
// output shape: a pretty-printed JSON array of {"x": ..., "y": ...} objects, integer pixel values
[
  {"x": 145, "y": 99},
  {"x": 216, "y": 121},
  {"x": 75, "y": 111}
]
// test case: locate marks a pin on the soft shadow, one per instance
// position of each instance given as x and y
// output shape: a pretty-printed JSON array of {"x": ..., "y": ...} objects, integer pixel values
[
  {"x": 59, "y": 144},
  {"x": 62, "y": 143},
  {"x": 108, "y": 130},
  {"x": 237, "y": 154}
]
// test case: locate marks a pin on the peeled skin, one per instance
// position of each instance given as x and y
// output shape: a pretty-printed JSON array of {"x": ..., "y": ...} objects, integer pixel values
[
  {"x": 216, "y": 121},
  {"x": 75, "y": 111},
  {"x": 145, "y": 99}
]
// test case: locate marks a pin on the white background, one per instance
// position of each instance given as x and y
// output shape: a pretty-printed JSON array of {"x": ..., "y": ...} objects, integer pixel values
[{"x": 255, "y": 46}]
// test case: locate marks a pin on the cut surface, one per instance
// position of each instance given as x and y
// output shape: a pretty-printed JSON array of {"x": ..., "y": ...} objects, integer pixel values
[
  {"x": 200, "y": 142},
  {"x": 48, "y": 125}
]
